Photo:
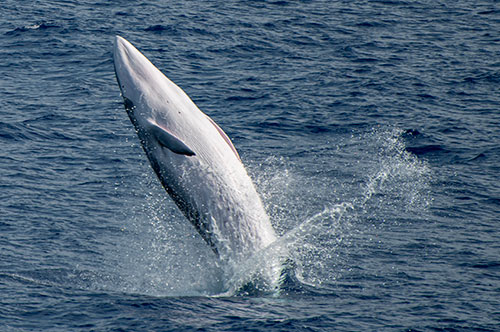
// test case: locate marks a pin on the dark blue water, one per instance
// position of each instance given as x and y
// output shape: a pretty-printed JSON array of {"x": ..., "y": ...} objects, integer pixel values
[{"x": 371, "y": 130}]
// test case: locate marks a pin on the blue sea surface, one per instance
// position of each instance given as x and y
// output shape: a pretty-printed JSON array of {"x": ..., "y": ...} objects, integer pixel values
[{"x": 371, "y": 130}]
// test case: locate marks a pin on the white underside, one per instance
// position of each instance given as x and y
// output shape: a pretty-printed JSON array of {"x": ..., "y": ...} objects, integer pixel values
[{"x": 213, "y": 181}]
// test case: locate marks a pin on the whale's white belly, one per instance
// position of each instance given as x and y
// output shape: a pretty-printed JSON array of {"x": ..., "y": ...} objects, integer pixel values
[{"x": 193, "y": 158}]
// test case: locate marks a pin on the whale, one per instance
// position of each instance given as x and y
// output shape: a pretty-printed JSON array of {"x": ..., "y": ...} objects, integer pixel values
[{"x": 193, "y": 158}]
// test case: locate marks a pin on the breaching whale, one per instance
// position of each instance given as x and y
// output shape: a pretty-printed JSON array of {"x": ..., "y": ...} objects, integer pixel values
[{"x": 193, "y": 158}]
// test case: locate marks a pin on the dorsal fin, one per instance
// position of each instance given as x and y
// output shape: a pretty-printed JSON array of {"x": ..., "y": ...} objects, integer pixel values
[{"x": 168, "y": 140}]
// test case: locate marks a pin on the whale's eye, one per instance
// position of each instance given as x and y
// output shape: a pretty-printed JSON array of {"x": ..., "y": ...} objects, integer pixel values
[{"x": 129, "y": 105}]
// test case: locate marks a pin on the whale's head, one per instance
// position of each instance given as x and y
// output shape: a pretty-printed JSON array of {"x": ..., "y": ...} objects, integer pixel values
[
  {"x": 135, "y": 74},
  {"x": 160, "y": 111}
]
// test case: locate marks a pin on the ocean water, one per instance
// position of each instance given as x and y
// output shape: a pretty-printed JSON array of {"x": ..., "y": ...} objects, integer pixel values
[{"x": 370, "y": 128}]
